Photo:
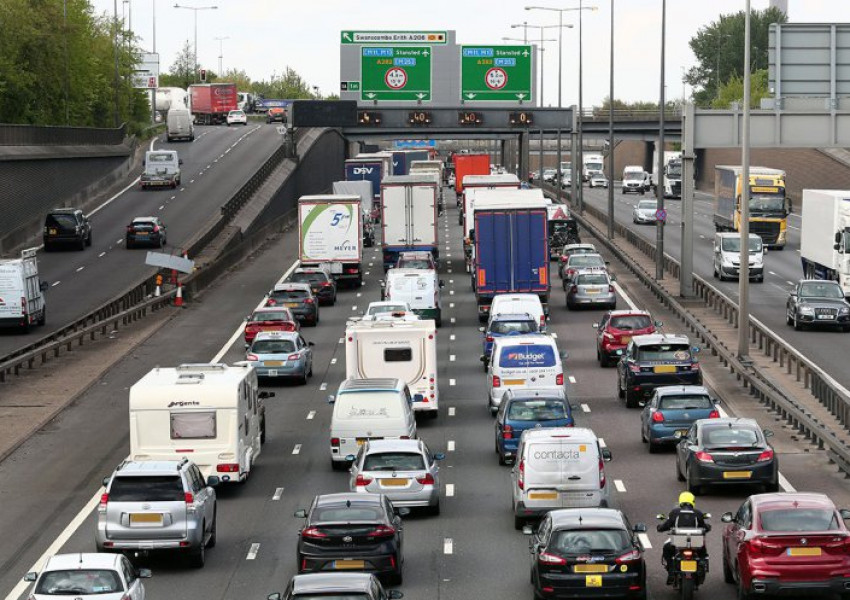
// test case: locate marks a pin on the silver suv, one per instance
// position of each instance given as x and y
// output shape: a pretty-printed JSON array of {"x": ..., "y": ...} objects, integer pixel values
[{"x": 158, "y": 505}]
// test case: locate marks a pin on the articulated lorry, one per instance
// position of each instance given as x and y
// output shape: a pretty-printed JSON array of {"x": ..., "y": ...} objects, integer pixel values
[
  {"x": 212, "y": 101},
  {"x": 330, "y": 233},
  {"x": 408, "y": 215},
  {"x": 768, "y": 204},
  {"x": 825, "y": 236}
]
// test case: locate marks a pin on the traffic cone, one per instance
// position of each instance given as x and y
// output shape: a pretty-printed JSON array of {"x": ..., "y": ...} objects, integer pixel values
[{"x": 178, "y": 299}]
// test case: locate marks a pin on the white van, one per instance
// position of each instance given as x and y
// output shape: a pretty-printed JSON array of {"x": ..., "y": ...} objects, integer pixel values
[
  {"x": 178, "y": 124},
  {"x": 558, "y": 467},
  {"x": 210, "y": 413},
  {"x": 420, "y": 288},
  {"x": 368, "y": 409},
  {"x": 21, "y": 292},
  {"x": 727, "y": 256},
  {"x": 522, "y": 362},
  {"x": 518, "y": 304},
  {"x": 405, "y": 349}
]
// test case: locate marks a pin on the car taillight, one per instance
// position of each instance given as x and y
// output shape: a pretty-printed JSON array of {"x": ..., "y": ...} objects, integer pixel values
[
  {"x": 715, "y": 414},
  {"x": 564, "y": 259},
  {"x": 381, "y": 531},
  {"x": 350, "y": 271},
  {"x": 313, "y": 533},
  {"x": 765, "y": 456},
  {"x": 628, "y": 557},
  {"x": 227, "y": 468},
  {"x": 308, "y": 301},
  {"x": 24, "y": 305},
  {"x": 156, "y": 228},
  {"x": 426, "y": 479},
  {"x": 104, "y": 500},
  {"x": 687, "y": 554},
  {"x": 521, "y": 478},
  {"x": 507, "y": 432},
  {"x": 129, "y": 229},
  {"x": 252, "y": 357},
  {"x": 293, "y": 357},
  {"x": 610, "y": 289},
  {"x": 634, "y": 368},
  {"x": 497, "y": 382},
  {"x": 189, "y": 498},
  {"x": 704, "y": 457},
  {"x": 362, "y": 480},
  {"x": 695, "y": 367},
  {"x": 327, "y": 284},
  {"x": 601, "y": 474},
  {"x": 559, "y": 379},
  {"x": 550, "y": 559},
  {"x": 658, "y": 416},
  {"x": 574, "y": 289},
  {"x": 270, "y": 302},
  {"x": 335, "y": 442},
  {"x": 489, "y": 338},
  {"x": 542, "y": 321}
]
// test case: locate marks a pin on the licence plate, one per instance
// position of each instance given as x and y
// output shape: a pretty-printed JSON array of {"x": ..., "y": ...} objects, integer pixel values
[
  {"x": 737, "y": 474},
  {"x": 593, "y": 581},
  {"x": 543, "y": 495},
  {"x": 52, "y": 232},
  {"x": 688, "y": 566},
  {"x": 804, "y": 551},
  {"x": 514, "y": 381},
  {"x": 361, "y": 441},
  {"x": 625, "y": 339},
  {"x": 590, "y": 568},
  {"x": 273, "y": 363},
  {"x": 592, "y": 291},
  {"x": 292, "y": 304},
  {"x": 141, "y": 233},
  {"x": 393, "y": 482},
  {"x": 664, "y": 369},
  {"x": 272, "y": 372},
  {"x": 349, "y": 564},
  {"x": 145, "y": 518},
  {"x": 826, "y": 317}
]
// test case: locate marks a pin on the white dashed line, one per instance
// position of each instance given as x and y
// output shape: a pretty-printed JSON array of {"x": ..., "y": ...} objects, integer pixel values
[
  {"x": 451, "y": 411},
  {"x": 359, "y": 294},
  {"x": 192, "y": 181},
  {"x": 448, "y": 546},
  {"x": 451, "y": 357},
  {"x": 323, "y": 387},
  {"x": 333, "y": 361},
  {"x": 572, "y": 379},
  {"x": 101, "y": 255},
  {"x": 790, "y": 282},
  {"x": 277, "y": 494},
  {"x": 451, "y": 280},
  {"x": 297, "y": 449},
  {"x": 311, "y": 415},
  {"x": 621, "y": 487},
  {"x": 161, "y": 206},
  {"x": 80, "y": 268},
  {"x": 452, "y": 382},
  {"x": 585, "y": 408},
  {"x": 601, "y": 442},
  {"x": 625, "y": 296},
  {"x": 771, "y": 272},
  {"x": 554, "y": 335},
  {"x": 452, "y": 337},
  {"x": 354, "y": 307},
  {"x": 119, "y": 240},
  {"x": 452, "y": 320},
  {"x": 341, "y": 340},
  {"x": 644, "y": 540},
  {"x": 367, "y": 273},
  {"x": 55, "y": 283},
  {"x": 450, "y": 490},
  {"x": 450, "y": 446},
  {"x": 252, "y": 553}
]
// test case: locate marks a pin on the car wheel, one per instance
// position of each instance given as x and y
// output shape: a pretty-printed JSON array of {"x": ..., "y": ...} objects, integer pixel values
[
  {"x": 199, "y": 557},
  {"x": 338, "y": 466},
  {"x": 263, "y": 431},
  {"x": 519, "y": 522},
  {"x": 434, "y": 510},
  {"x": 642, "y": 435},
  {"x": 302, "y": 380},
  {"x": 212, "y": 541},
  {"x": 714, "y": 271},
  {"x": 310, "y": 372},
  {"x": 502, "y": 460},
  {"x": 728, "y": 576},
  {"x": 693, "y": 488},
  {"x": 43, "y": 317},
  {"x": 798, "y": 326},
  {"x": 742, "y": 592},
  {"x": 161, "y": 242},
  {"x": 128, "y": 244},
  {"x": 88, "y": 239},
  {"x": 82, "y": 243},
  {"x": 631, "y": 399},
  {"x": 788, "y": 319},
  {"x": 620, "y": 393},
  {"x": 653, "y": 448},
  {"x": 772, "y": 487}
]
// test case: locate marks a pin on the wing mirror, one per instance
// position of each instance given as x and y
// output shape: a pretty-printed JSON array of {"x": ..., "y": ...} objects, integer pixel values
[
  {"x": 659, "y": 323},
  {"x": 105, "y": 481},
  {"x": 482, "y": 358},
  {"x": 595, "y": 325},
  {"x": 179, "y": 161},
  {"x": 794, "y": 293},
  {"x": 527, "y": 530},
  {"x": 402, "y": 511},
  {"x": 266, "y": 395},
  {"x": 144, "y": 573},
  {"x": 727, "y": 517},
  {"x": 43, "y": 286},
  {"x": 707, "y": 515},
  {"x": 845, "y": 514},
  {"x": 442, "y": 284},
  {"x": 481, "y": 329},
  {"x": 612, "y": 277},
  {"x": 439, "y": 456},
  {"x": 606, "y": 455},
  {"x": 311, "y": 344},
  {"x": 275, "y": 596},
  {"x": 639, "y": 528},
  {"x": 695, "y": 349},
  {"x": 767, "y": 433},
  {"x": 394, "y": 594},
  {"x": 331, "y": 399},
  {"x": 31, "y": 576},
  {"x": 300, "y": 513},
  {"x": 350, "y": 457},
  {"x": 564, "y": 354},
  {"x": 661, "y": 517}
]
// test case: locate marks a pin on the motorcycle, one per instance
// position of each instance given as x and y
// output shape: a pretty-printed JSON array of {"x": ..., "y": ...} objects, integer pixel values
[{"x": 689, "y": 565}]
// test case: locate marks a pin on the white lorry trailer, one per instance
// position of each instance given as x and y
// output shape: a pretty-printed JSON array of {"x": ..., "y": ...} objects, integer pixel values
[
  {"x": 330, "y": 233},
  {"x": 825, "y": 236},
  {"x": 408, "y": 215},
  {"x": 21, "y": 292}
]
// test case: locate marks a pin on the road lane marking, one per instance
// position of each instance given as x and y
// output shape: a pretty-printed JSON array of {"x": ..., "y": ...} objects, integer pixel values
[
  {"x": 452, "y": 320},
  {"x": 341, "y": 340},
  {"x": 101, "y": 255},
  {"x": 367, "y": 273},
  {"x": 333, "y": 361},
  {"x": 192, "y": 181},
  {"x": 448, "y": 546},
  {"x": 252, "y": 552},
  {"x": 323, "y": 387},
  {"x": 451, "y": 357},
  {"x": 450, "y": 490},
  {"x": 625, "y": 296},
  {"x": 119, "y": 240},
  {"x": 771, "y": 272},
  {"x": 644, "y": 540},
  {"x": 585, "y": 408},
  {"x": 451, "y": 292},
  {"x": 450, "y": 446},
  {"x": 572, "y": 379},
  {"x": 452, "y": 382},
  {"x": 354, "y": 307},
  {"x": 601, "y": 442},
  {"x": 80, "y": 268},
  {"x": 451, "y": 304},
  {"x": 297, "y": 449},
  {"x": 452, "y": 337},
  {"x": 621, "y": 487},
  {"x": 554, "y": 335},
  {"x": 55, "y": 283},
  {"x": 785, "y": 484},
  {"x": 789, "y": 282},
  {"x": 359, "y": 294},
  {"x": 277, "y": 494},
  {"x": 311, "y": 415},
  {"x": 451, "y": 280}
]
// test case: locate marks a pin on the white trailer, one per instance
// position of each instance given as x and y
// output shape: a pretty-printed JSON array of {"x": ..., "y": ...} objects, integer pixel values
[
  {"x": 212, "y": 414},
  {"x": 489, "y": 182},
  {"x": 408, "y": 215},
  {"x": 825, "y": 236},
  {"x": 406, "y": 350},
  {"x": 330, "y": 232},
  {"x": 435, "y": 168},
  {"x": 21, "y": 292},
  {"x": 360, "y": 188}
]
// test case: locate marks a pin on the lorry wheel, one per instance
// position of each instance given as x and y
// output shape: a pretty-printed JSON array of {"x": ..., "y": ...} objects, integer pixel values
[{"x": 43, "y": 316}]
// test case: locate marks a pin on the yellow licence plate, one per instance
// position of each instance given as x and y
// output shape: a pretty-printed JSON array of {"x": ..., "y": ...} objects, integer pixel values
[
  {"x": 292, "y": 304},
  {"x": 626, "y": 339},
  {"x": 273, "y": 363},
  {"x": 514, "y": 381},
  {"x": 52, "y": 232},
  {"x": 361, "y": 441},
  {"x": 737, "y": 474},
  {"x": 590, "y": 568},
  {"x": 688, "y": 566},
  {"x": 804, "y": 551},
  {"x": 664, "y": 369},
  {"x": 393, "y": 482},
  {"x": 146, "y": 518},
  {"x": 543, "y": 495},
  {"x": 349, "y": 564},
  {"x": 593, "y": 581}
]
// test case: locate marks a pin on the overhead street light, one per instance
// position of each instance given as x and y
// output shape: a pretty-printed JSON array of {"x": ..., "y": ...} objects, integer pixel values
[
  {"x": 220, "y": 41},
  {"x": 195, "y": 9}
]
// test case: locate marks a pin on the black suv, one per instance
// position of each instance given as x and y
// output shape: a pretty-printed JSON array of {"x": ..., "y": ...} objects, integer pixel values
[
  {"x": 66, "y": 226},
  {"x": 654, "y": 360}
]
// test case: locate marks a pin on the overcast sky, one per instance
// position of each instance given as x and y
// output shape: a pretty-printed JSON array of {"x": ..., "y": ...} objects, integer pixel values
[{"x": 265, "y": 36}]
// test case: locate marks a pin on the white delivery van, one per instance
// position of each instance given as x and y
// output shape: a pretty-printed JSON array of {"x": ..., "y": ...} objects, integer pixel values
[
  {"x": 518, "y": 304},
  {"x": 558, "y": 467},
  {"x": 21, "y": 292},
  {"x": 522, "y": 362},
  {"x": 211, "y": 413},
  {"x": 178, "y": 124},
  {"x": 420, "y": 288},
  {"x": 405, "y": 349},
  {"x": 368, "y": 409}
]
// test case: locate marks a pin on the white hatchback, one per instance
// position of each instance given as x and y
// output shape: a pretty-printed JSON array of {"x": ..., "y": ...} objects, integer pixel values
[
  {"x": 237, "y": 117},
  {"x": 88, "y": 576}
]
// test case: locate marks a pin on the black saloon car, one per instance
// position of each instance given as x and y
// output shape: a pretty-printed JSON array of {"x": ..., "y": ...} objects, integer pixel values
[
  {"x": 353, "y": 586},
  {"x": 654, "y": 360},
  {"x": 728, "y": 451},
  {"x": 66, "y": 226},
  {"x": 587, "y": 553},
  {"x": 352, "y": 532},
  {"x": 817, "y": 303}
]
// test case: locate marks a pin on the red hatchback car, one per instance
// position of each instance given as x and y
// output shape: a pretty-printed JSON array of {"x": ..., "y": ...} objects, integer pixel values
[
  {"x": 269, "y": 319},
  {"x": 616, "y": 330},
  {"x": 787, "y": 543}
]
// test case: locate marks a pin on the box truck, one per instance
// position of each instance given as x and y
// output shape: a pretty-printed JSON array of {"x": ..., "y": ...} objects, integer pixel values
[
  {"x": 212, "y": 101},
  {"x": 825, "y": 236},
  {"x": 469, "y": 164},
  {"x": 506, "y": 180},
  {"x": 21, "y": 292},
  {"x": 403, "y": 158},
  {"x": 363, "y": 190},
  {"x": 406, "y": 350},
  {"x": 435, "y": 169},
  {"x": 210, "y": 413},
  {"x": 408, "y": 216},
  {"x": 330, "y": 233},
  {"x": 511, "y": 246},
  {"x": 768, "y": 204}
]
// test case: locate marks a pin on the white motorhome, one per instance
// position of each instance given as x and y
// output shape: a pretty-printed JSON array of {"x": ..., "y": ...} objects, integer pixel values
[
  {"x": 211, "y": 413},
  {"x": 178, "y": 124},
  {"x": 21, "y": 292},
  {"x": 405, "y": 349}
]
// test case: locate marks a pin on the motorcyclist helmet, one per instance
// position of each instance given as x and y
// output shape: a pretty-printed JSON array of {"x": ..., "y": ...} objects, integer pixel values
[{"x": 686, "y": 498}]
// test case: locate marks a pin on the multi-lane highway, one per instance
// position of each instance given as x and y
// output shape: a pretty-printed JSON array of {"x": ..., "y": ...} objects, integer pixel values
[
  {"x": 52, "y": 482},
  {"x": 214, "y": 166}
]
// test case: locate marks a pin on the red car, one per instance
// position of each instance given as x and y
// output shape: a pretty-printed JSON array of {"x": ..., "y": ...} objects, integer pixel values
[
  {"x": 787, "y": 543},
  {"x": 616, "y": 330},
  {"x": 269, "y": 319}
]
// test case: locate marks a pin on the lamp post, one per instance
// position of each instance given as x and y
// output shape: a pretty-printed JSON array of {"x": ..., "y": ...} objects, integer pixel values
[
  {"x": 659, "y": 184},
  {"x": 195, "y": 9},
  {"x": 220, "y": 41},
  {"x": 611, "y": 133},
  {"x": 541, "y": 41},
  {"x": 525, "y": 27},
  {"x": 744, "y": 273}
]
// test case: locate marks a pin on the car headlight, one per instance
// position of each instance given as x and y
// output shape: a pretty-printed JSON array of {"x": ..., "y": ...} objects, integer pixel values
[
  {"x": 806, "y": 310},
  {"x": 843, "y": 311}
]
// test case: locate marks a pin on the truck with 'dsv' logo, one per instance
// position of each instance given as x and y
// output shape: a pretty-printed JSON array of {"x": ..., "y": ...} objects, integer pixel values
[
  {"x": 330, "y": 234},
  {"x": 371, "y": 170}
]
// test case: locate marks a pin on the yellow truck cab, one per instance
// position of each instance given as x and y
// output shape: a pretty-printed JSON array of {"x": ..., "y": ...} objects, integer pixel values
[{"x": 768, "y": 203}]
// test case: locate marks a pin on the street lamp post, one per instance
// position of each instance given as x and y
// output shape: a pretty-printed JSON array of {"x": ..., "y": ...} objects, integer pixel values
[
  {"x": 195, "y": 9},
  {"x": 744, "y": 273},
  {"x": 659, "y": 184},
  {"x": 541, "y": 41},
  {"x": 611, "y": 133},
  {"x": 220, "y": 41}
]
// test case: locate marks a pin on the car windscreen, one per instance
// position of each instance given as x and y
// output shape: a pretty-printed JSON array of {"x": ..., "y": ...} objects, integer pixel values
[
  {"x": 799, "y": 519},
  {"x": 592, "y": 279},
  {"x": 61, "y": 221},
  {"x": 631, "y": 322},
  {"x": 538, "y": 409},
  {"x": 733, "y": 244},
  {"x": 527, "y": 355},
  {"x": 273, "y": 346},
  {"x": 647, "y": 205},
  {"x": 308, "y": 278},
  {"x": 724, "y": 436},
  {"x": 290, "y": 294},
  {"x": 664, "y": 352},
  {"x": 269, "y": 316},
  {"x": 393, "y": 461},
  {"x": 79, "y": 582},
  {"x": 346, "y": 513},
  {"x": 633, "y": 175},
  {"x": 584, "y": 541},
  {"x": 821, "y": 290},
  {"x": 147, "y": 488},
  {"x": 386, "y": 308},
  {"x": 143, "y": 225},
  {"x": 416, "y": 263},
  {"x": 586, "y": 261},
  {"x": 685, "y": 402},
  {"x": 508, "y": 327},
  {"x": 160, "y": 158},
  {"x": 332, "y": 596}
]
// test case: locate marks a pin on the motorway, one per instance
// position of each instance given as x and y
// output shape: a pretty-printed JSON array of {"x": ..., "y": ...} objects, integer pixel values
[
  {"x": 52, "y": 482},
  {"x": 215, "y": 165},
  {"x": 767, "y": 300}
]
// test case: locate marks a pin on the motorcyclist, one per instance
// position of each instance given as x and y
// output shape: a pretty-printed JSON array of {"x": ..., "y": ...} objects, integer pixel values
[{"x": 684, "y": 516}]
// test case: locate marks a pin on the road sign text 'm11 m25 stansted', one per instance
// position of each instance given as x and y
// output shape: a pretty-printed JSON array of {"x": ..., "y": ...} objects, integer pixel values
[
  {"x": 395, "y": 73},
  {"x": 496, "y": 73}
]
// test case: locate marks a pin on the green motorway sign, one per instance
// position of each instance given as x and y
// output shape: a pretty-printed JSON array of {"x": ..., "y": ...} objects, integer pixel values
[
  {"x": 395, "y": 73},
  {"x": 495, "y": 73},
  {"x": 392, "y": 37}
]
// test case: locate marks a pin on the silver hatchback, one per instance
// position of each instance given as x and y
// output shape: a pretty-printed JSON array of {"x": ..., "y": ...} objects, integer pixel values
[
  {"x": 157, "y": 505},
  {"x": 591, "y": 287},
  {"x": 644, "y": 212},
  {"x": 405, "y": 471}
]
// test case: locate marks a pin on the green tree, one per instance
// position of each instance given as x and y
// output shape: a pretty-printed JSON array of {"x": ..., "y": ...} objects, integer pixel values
[
  {"x": 733, "y": 91},
  {"x": 289, "y": 85},
  {"x": 719, "y": 50},
  {"x": 237, "y": 76},
  {"x": 181, "y": 73}
]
